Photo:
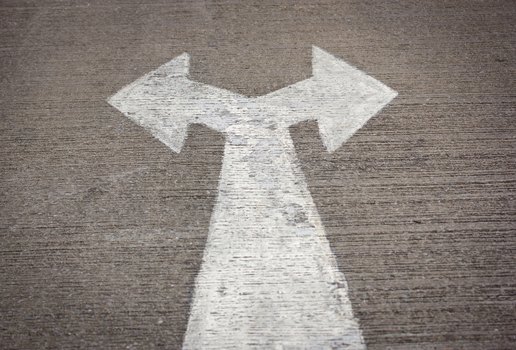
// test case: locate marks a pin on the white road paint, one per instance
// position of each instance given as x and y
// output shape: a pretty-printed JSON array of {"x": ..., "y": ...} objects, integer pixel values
[{"x": 268, "y": 279}]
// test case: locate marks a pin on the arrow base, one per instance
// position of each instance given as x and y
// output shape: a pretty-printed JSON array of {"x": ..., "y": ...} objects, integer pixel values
[{"x": 269, "y": 279}]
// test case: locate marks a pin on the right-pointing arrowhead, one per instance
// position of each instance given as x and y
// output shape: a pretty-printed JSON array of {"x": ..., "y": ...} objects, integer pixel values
[{"x": 351, "y": 97}]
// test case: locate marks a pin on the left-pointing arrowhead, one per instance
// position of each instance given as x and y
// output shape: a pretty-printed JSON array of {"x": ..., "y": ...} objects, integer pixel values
[
  {"x": 144, "y": 102},
  {"x": 165, "y": 101}
]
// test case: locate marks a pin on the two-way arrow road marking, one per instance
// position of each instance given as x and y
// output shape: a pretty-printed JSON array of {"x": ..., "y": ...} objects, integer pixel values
[{"x": 268, "y": 279}]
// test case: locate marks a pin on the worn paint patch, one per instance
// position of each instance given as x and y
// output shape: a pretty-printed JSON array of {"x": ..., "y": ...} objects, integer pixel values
[{"x": 268, "y": 278}]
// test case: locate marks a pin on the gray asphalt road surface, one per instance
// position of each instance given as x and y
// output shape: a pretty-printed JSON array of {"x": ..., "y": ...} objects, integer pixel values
[{"x": 102, "y": 227}]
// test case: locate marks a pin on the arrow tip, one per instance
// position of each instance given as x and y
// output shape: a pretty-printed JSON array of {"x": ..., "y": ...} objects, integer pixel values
[
  {"x": 148, "y": 106},
  {"x": 355, "y": 97}
]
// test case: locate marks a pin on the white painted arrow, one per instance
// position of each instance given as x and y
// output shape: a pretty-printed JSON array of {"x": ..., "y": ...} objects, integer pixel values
[{"x": 268, "y": 278}]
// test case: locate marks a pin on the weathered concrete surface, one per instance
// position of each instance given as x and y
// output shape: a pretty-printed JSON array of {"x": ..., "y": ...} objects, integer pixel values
[{"x": 103, "y": 227}]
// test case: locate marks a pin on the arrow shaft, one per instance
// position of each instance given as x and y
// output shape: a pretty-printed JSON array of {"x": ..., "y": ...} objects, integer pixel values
[{"x": 268, "y": 278}]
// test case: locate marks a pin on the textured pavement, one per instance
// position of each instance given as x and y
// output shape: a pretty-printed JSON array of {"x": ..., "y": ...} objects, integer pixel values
[{"x": 102, "y": 227}]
